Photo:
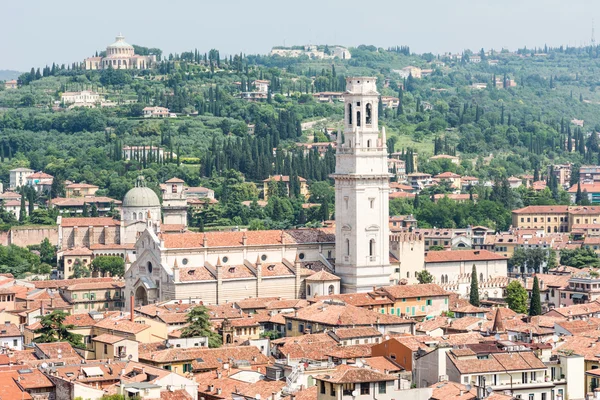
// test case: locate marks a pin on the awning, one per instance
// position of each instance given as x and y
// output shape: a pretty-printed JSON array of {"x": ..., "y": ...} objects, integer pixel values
[
  {"x": 132, "y": 390},
  {"x": 577, "y": 296}
]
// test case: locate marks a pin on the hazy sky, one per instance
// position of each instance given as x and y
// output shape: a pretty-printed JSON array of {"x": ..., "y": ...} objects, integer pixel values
[{"x": 39, "y": 32}]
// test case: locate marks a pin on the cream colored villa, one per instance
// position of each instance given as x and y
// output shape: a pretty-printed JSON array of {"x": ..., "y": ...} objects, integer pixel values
[{"x": 120, "y": 55}]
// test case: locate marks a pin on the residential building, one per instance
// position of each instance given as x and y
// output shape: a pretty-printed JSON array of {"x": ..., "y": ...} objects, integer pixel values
[
  {"x": 452, "y": 178},
  {"x": 285, "y": 180},
  {"x": 80, "y": 190},
  {"x": 390, "y": 102},
  {"x": 11, "y": 84},
  {"x": 332, "y": 314},
  {"x": 120, "y": 55},
  {"x": 137, "y": 152},
  {"x": 261, "y": 86},
  {"x": 562, "y": 172},
  {"x": 96, "y": 296},
  {"x": 354, "y": 383},
  {"x": 74, "y": 206},
  {"x": 156, "y": 112},
  {"x": 11, "y": 336},
  {"x": 328, "y": 97},
  {"x": 420, "y": 300},
  {"x": 589, "y": 173},
  {"x": 18, "y": 177},
  {"x": 453, "y": 159},
  {"x": 419, "y": 180},
  {"x": 552, "y": 219},
  {"x": 40, "y": 181},
  {"x": 589, "y": 189},
  {"x": 80, "y": 98}
]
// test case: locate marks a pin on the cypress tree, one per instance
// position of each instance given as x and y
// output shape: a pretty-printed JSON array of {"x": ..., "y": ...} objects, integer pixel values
[
  {"x": 474, "y": 294},
  {"x": 22, "y": 210},
  {"x": 578, "y": 194},
  {"x": 535, "y": 306}
]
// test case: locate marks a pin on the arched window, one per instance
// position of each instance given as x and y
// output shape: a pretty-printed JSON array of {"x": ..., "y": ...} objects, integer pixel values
[
  {"x": 372, "y": 247},
  {"x": 349, "y": 113},
  {"x": 140, "y": 216},
  {"x": 408, "y": 274},
  {"x": 134, "y": 216},
  {"x": 149, "y": 267},
  {"x": 358, "y": 118},
  {"x": 347, "y": 247},
  {"x": 369, "y": 114},
  {"x": 369, "y": 143},
  {"x": 331, "y": 289}
]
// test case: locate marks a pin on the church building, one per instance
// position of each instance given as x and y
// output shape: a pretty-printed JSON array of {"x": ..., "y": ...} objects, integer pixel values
[{"x": 120, "y": 55}]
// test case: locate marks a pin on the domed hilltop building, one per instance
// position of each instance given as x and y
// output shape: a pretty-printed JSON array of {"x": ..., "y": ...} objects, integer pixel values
[{"x": 120, "y": 55}]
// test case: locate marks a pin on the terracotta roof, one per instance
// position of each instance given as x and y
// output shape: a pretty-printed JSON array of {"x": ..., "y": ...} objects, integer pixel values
[
  {"x": 498, "y": 362},
  {"x": 329, "y": 314},
  {"x": 106, "y": 338},
  {"x": 55, "y": 284},
  {"x": 80, "y": 201},
  {"x": 96, "y": 286},
  {"x": 452, "y": 390},
  {"x": 90, "y": 221},
  {"x": 350, "y": 374},
  {"x": 350, "y": 352},
  {"x": 180, "y": 394},
  {"x": 357, "y": 299},
  {"x": 40, "y": 175},
  {"x": 419, "y": 290},
  {"x": 9, "y": 387},
  {"x": 312, "y": 347},
  {"x": 253, "y": 238},
  {"x": 207, "y": 359},
  {"x": 121, "y": 324},
  {"x": 9, "y": 330},
  {"x": 355, "y": 333},
  {"x": 462, "y": 256},
  {"x": 577, "y": 309},
  {"x": 447, "y": 174},
  {"x": 214, "y": 386},
  {"x": 175, "y": 180},
  {"x": 78, "y": 251},
  {"x": 53, "y": 350},
  {"x": 80, "y": 186},
  {"x": 323, "y": 276},
  {"x": 542, "y": 210}
]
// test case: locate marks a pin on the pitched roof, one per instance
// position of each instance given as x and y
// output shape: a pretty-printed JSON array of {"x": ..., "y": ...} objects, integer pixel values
[
  {"x": 452, "y": 390},
  {"x": 252, "y": 238},
  {"x": 326, "y": 313},
  {"x": 355, "y": 333},
  {"x": 323, "y": 276},
  {"x": 418, "y": 290},
  {"x": 55, "y": 284},
  {"x": 351, "y": 374},
  {"x": 175, "y": 180},
  {"x": 107, "y": 338},
  {"x": 462, "y": 256}
]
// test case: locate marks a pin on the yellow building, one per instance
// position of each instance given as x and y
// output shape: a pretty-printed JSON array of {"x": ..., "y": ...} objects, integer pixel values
[
  {"x": 99, "y": 296},
  {"x": 417, "y": 301},
  {"x": 286, "y": 181},
  {"x": 80, "y": 190},
  {"x": 553, "y": 219}
]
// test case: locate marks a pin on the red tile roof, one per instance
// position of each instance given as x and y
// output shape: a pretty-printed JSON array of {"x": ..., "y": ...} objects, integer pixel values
[
  {"x": 419, "y": 290},
  {"x": 462, "y": 256}
]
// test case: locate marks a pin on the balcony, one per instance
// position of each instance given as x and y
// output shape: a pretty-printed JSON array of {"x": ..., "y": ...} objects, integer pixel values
[{"x": 537, "y": 384}]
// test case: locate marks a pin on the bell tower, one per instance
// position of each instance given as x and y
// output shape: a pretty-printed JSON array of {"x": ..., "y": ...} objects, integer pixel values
[{"x": 361, "y": 192}]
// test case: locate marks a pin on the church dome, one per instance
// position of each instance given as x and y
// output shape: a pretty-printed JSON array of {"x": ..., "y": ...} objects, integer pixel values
[
  {"x": 141, "y": 196},
  {"x": 120, "y": 43}
]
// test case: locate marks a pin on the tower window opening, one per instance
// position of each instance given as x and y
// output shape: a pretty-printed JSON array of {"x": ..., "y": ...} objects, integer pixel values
[
  {"x": 349, "y": 114},
  {"x": 358, "y": 118},
  {"x": 372, "y": 247},
  {"x": 369, "y": 114},
  {"x": 369, "y": 143},
  {"x": 347, "y": 247}
]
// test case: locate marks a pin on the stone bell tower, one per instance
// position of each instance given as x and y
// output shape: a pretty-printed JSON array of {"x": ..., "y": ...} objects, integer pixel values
[{"x": 361, "y": 192}]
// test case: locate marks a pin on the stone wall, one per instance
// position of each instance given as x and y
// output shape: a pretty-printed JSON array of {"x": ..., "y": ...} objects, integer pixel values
[{"x": 29, "y": 235}]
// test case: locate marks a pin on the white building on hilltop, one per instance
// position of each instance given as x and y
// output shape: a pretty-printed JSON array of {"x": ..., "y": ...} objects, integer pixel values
[
  {"x": 362, "y": 192},
  {"x": 120, "y": 55}
]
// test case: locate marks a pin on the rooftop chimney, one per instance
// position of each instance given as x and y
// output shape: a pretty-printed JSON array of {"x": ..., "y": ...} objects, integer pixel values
[{"x": 132, "y": 306}]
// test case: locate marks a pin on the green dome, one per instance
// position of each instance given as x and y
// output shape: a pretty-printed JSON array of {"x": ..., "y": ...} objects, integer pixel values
[{"x": 141, "y": 196}]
